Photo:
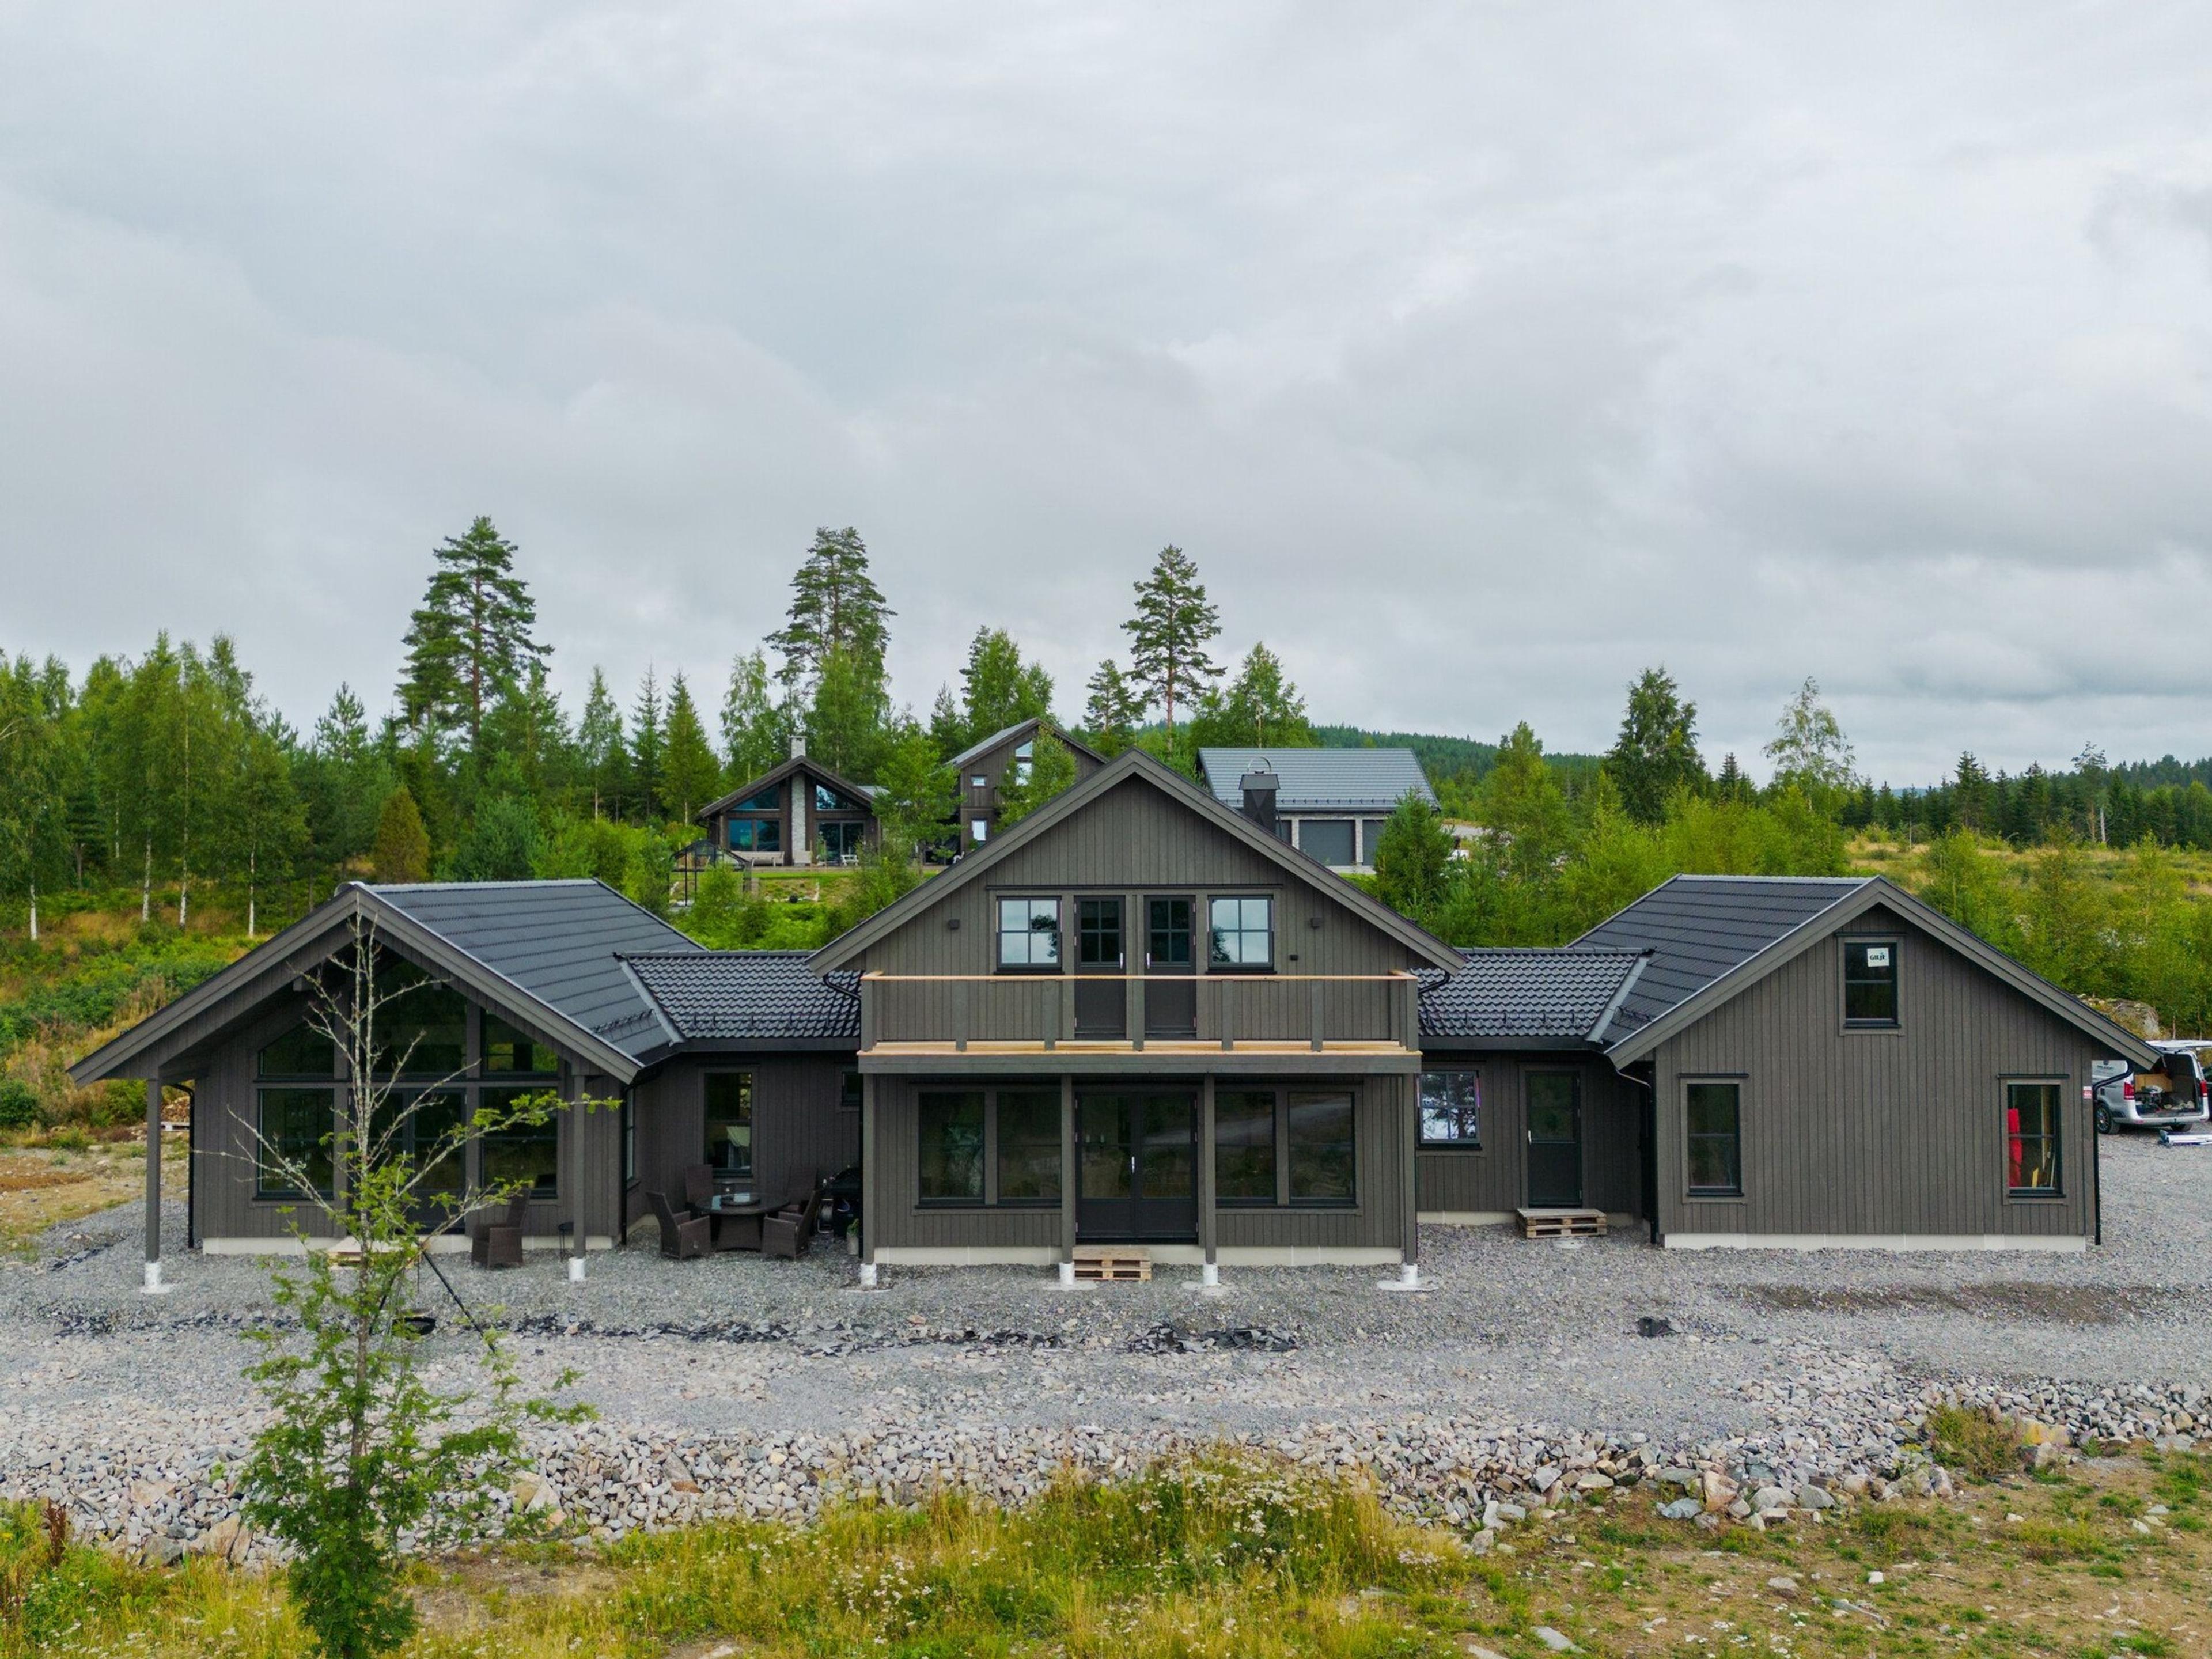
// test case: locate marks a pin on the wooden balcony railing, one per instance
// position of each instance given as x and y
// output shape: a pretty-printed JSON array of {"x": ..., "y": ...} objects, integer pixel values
[{"x": 1315, "y": 1011}]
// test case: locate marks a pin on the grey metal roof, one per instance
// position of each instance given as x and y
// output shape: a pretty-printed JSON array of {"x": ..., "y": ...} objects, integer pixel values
[
  {"x": 1547, "y": 994},
  {"x": 1699, "y": 928},
  {"x": 768, "y": 994},
  {"x": 561, "y": 941},
  {"x": 1319, "y": 779}
]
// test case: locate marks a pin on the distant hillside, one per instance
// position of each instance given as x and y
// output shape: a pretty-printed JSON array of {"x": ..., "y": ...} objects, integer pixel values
[{"x": 1462, "y": 759}]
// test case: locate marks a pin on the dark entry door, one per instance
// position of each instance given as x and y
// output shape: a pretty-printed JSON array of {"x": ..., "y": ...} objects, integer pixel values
[
  {"x": 1555, "y": 1139},
  {"x": 1170, "y": 987},
  {"x": 1100, "y": 1004},
  {"x": 1137, "y": 1158}
]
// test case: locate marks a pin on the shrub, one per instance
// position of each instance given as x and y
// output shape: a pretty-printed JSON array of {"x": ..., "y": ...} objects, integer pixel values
[
  {"x": 19, "y": 1104},
  {"x": 1979, "y": 1443}
]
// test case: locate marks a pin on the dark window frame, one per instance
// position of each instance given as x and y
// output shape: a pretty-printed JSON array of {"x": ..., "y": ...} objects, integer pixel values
[
  {"x": 1274, "y": 1194},
  {"x": 989, "y": 1195},
  {"x": 1218, "y": 962},
  {"x": 488, "y": 1146},
  {"x": 994, "y": 1140},
  {"x": 1456, "y": 1143},
  {"x": 1280, "y": 1141},
  {"x": 327, "y": 1089},
  {"x": 2054, "y": 1136},
  {"x": 1000, "y": 933},
  {"x": 1155, "y": 933},
  {"x": 1330, "y": 826},
  {"x": 1093, "y": 931},
  {"x": 1690, "y": 1137},
  {"x": 1894, "y": 980},
  {"x": 766, "y": 834},
  {"x": 752, "y": 1082}
]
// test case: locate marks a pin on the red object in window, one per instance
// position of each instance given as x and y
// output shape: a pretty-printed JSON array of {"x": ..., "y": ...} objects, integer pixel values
[
  {"x": 2016, "y": 1153},
  {"x": 2128, "y": 1090}
]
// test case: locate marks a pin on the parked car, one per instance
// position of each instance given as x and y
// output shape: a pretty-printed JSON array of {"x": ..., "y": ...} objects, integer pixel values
[{"x": 2177, "y": 1094}]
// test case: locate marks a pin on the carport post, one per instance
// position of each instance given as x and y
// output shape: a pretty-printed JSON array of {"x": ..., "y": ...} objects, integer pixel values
[{"x": 154, "y": 1287}]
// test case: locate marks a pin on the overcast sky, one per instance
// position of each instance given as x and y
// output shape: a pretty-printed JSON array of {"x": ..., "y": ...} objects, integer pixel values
[{"x": 1480, "y": 353}]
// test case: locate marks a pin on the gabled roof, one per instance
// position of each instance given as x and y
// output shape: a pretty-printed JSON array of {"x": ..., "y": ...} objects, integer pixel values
[
  {"x": 770, "y": 995},
  {"x": 1560, "y": 996},
  {"x": 542, "y": 953},
  {"x": 1319, "y": 779},
  {"x": 1134, "y": 765},
  {"x": 1020, "y": 729},
  {"x": 1698, "y": 927},
  {"x": 859, "y": 791},
  {"x": 1719, "y": 935}
]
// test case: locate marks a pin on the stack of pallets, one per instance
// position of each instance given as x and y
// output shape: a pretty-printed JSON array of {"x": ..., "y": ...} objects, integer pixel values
[
  {"x": 1561, "y": 1223},
  {"x": 1113, "y": 1264}
]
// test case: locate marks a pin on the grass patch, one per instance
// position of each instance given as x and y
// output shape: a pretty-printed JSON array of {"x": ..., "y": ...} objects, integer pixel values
[
  {"x": 1978, "y": 1442},
  {"x": 1225, "y": 1558}
]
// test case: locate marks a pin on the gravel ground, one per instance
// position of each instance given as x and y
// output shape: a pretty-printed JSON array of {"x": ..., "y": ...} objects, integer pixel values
[{"x": 1812, "y": 1360}]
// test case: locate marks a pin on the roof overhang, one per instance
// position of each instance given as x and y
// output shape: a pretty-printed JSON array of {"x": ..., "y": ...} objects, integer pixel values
[
  {"x": 777, "y": 775},
  {"x": 1879, "y": 890},
  {"x": 1134, "y": 765},
  {"x": 211, "y": 1008}
]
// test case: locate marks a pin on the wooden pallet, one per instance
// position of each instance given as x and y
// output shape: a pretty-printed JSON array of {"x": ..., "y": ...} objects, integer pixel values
[
  {"x": 1113, "y": 1264},
  {"x": 1562, "y": 1224}
]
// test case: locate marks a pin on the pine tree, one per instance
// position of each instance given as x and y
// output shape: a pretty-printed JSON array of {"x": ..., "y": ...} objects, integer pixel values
[
  {"x": 600, "y": 745},
  {"x": 1168, "y": 634},
  {"x": 648, "y": 747},
  {"x": 1111, "y": 717},
  {"x": 1657, "y": 752},
  {"x": 403, "y": 845},
  {"x": 836, "y": 606},
  {"x": 754, "y": 735},
  {"x": 472, "y": 632},
  {"x": 999, "y": 688},
  {"x": 690, "y": 776}
]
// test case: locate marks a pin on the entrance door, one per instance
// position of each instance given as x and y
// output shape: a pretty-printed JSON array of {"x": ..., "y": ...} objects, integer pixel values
[
  {"x": 1101, "y": 1003},
  {"x": 1170, "y": 987},
  {"x": 1138, "y": 1166},
  {"x": 1555, "y": 1141}
]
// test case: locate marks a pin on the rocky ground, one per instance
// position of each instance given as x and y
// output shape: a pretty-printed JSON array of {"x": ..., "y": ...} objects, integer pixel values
[{"x": 1522, "y": 1375}]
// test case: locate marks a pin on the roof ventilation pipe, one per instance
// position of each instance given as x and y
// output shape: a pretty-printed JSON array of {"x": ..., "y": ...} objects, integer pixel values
[{"x": 1259, "y": 786}]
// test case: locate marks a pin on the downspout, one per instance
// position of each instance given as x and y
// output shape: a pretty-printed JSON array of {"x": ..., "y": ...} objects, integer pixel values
[
  {"x": 1647, "y": 1151},
  {"x": 2096, "y": 1168}
]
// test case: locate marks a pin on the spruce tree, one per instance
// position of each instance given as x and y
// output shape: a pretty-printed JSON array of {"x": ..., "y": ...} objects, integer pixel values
[
  {"x": 836, "y": 606},
  {"x": 690, "y": 776},
  {"x": 600, "y": 745},
  {"x": 648, "y": 747},
  {"x": 1111, "y": 717},
  {"x": 948, "y": 729},
  {"x": 403, "y": 845},
  {"x": 1657, "y": 752},
  {"x": 472, "y": 632},
  {"x": 1168, "y": 634},
  {"x": 1260, "y": 708}
]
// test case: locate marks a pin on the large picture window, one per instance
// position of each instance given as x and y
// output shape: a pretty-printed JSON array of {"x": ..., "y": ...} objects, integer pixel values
[
  {"x": 526, "y": 1153},
  {"x": 1451, "y": 1110},
  {"x": 295, "y": 1127},
  {"x": 422, "y": 1031},
  {"x": 509, "y": 1052},
  {"x": 1320, "y": 1147},
  {"x": 757, "y": 834},
  {"x": 1870, "y": 982},
  {"x": 1714, "y": 1114},
  {"x": 2031, "y": 1139},
  {"x": 1029, "y": 1145},
  {"x": 952, "y": 1164},
  {"x": 1242, "y": 931},
  {"x": 1028, "y": 932},
  {"x": 1244, "y": 1145},
  {"x": 1330, "y": 841},
  {"x": 729, "y": 1118},
  {"x": 300, "y": 1052},
  {"x": 429, "y": 1137}
]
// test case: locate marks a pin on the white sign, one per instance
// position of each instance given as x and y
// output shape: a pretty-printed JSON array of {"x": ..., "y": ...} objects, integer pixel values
[{"x": 1877, "y": 956}]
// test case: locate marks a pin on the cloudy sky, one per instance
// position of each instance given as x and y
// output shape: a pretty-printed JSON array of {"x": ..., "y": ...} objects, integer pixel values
[{"x": 1481, "y": 354}]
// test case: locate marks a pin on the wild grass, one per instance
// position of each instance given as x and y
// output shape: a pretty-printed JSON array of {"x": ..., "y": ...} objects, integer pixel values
[{"x": 1982, "y": 1444}]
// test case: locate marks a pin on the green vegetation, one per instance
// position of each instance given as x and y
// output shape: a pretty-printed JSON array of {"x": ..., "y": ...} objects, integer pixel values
[{"x": 1231, "y": 1556}]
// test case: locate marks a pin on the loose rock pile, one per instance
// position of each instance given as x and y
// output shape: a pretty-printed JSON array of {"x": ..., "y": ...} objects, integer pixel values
[{"x": 1846, "y": 1430}]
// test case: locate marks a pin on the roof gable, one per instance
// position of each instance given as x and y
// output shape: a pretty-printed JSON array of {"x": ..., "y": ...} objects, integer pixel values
[
  {"x": 1319, "y": 779},
  {"x": 1019, "y": 729},
  {"x": 1630, "y": 1038},
  {"x": 1137, "y": 768},
  {"x": 858, "y": 792}
]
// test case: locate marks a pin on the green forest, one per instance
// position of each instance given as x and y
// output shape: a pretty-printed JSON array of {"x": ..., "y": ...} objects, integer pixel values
[{"x": 156, "y": 815}]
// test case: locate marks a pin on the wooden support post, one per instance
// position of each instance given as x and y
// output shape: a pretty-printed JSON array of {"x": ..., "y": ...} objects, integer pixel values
[
  {"x": 1132, "y": 1010},
  {"x": 870, "y": 1174},
  {"x": 1221, "y": 1007},
  {"x": 1067, "y": 1178},
  {"x": 1314, "y": 1011},
  {"x": 960, "y": 1012},
  {"x": 1408, "y": 1093},
  {"x": 154, "y": 1184},
  {"x": 1206, "y": 1201}
]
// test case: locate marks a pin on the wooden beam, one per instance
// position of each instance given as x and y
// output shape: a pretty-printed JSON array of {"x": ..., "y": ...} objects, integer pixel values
[{"x": 1067, "y": 1168}]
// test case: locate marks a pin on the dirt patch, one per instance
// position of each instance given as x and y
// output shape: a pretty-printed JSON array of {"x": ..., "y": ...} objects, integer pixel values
[
  {"x": 2065, "y": 1304},
  {"x": 474, "y": 1592},
  {"x": 41, "y": 1188}
]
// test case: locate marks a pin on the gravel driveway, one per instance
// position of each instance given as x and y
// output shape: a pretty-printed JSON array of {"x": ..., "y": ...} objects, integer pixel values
[{"x": 1513, "y": 1333}]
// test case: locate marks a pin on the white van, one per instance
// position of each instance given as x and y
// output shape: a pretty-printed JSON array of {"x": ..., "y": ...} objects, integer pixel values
[{"x": 2177, "y": 1094}]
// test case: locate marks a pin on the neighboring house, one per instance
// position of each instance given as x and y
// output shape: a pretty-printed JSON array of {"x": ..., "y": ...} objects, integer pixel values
[
  {"x": 1139, "y": 1016},
  {"x": 984, "y": 766},
  {"x": 1330, "y": 804},
  {"x": 800, "y": 813}
]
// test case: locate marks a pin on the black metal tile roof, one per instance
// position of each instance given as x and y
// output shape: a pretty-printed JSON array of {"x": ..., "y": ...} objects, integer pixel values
[
  {"x": 561, "y": 941},
  {"x": 1524, "y": 993},
  {"x": 1319, "y": 779},
  {"x": 1699, "y": 928},
  {"x": 768, "y": 994}
]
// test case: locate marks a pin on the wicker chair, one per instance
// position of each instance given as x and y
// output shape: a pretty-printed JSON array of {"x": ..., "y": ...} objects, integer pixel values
[
  {"x": 698, "y": 1187},
  {"x": 788, "y": 1231},
  {"x": 499, "y": 1243},
  {"x": 681, "y": 1236}
]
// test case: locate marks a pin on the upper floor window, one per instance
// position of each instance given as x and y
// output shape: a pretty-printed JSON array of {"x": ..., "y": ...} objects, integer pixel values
[
  {"x": 1244, "y": 931},
  {"x": 1028, "y": 932},
  {"x": 1870, "y": 982},
  {"x": 1166, "y": 941},
  {"x": 979, "y": 780},
  {"x": 422, "y": 1031},
  {"x": 1024, "y": 756},
  {"x": 827, "y": 800},
  {"x": 1451, "y": 1110},
  {"x": 300, "y": 1052},
  {"x": 761, "y": 800},
  {"x": 508, "y": 1050},
  {"x": 1098, "y": 932}
]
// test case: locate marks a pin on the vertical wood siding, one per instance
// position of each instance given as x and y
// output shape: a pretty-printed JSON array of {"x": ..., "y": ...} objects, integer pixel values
[
  {"x": 1877, "y": 1133},
  {"x": 799, "y": 1124},
  {"x": 1496, "y": 1178}
]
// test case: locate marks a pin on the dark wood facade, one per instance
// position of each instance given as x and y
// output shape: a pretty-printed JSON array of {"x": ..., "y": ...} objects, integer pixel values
[
  {"x": 805, "y": 1122},
  {"x": 982, "y": 771},
  {"x": 801, "y": 813},
  {"x": 1487, "y": 1183}
]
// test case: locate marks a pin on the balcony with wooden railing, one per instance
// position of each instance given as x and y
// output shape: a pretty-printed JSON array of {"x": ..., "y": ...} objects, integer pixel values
[{"x": 1089, "y": 1022}]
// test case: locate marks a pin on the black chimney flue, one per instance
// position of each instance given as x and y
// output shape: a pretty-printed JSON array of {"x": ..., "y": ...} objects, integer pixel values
[{"x": 1259, "y": 786}]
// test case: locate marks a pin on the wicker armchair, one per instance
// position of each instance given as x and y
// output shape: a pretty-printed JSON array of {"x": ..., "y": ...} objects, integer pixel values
[
  {"x": 499, "y": 1243},
  {"x": 681, "y": 1236}
]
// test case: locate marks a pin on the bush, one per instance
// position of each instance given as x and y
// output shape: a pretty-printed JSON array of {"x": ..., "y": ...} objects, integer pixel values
[
  {"x": 1979, "y": 1443},
  {"x": 19, "y": 1104}
]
